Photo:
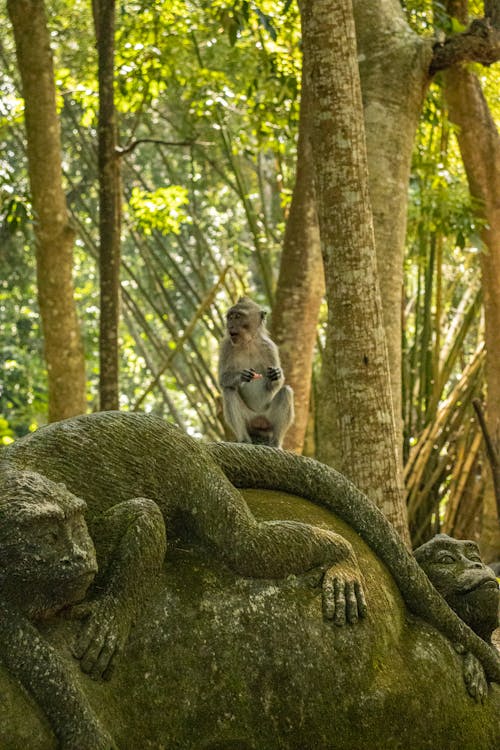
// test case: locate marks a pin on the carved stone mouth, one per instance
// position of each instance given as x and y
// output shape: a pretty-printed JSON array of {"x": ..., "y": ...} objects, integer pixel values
[{"x": 491, "y": 583}]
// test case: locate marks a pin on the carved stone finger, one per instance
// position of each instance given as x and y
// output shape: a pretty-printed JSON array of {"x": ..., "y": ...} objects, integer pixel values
[
  {"x": 352, "y": 614},
  {"x": 340, "y": 603},
  {"x": 106, "y": 655},
  {"x": 328, "y": 597},
  {"x": 360, "y": 597},
  {"x": 84, "y": 639},
  {"x": 88, "y": 660}
]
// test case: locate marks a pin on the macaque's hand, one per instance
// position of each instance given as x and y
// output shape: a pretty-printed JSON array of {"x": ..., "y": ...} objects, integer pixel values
[
  {"x": 343, "y": 595},
  {"x": 248, "y": 375},
  {"x": 473, "y": 672},
  {"x": 273, "y": 373},
  {"x": 103, "y": 635}
]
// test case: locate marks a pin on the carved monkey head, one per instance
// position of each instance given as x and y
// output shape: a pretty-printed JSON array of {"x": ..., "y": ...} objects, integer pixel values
[
  {"x": 47, "y": 558},
  {"x": 469, "y": 586},
  {"x": 244, "y": 320}
]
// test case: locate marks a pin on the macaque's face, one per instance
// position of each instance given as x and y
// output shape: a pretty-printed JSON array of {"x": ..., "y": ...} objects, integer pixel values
[
  {"x": 468, "y": 585},
  {"x": 47, "y": 558},
  {"x": 242, "y": 323}
]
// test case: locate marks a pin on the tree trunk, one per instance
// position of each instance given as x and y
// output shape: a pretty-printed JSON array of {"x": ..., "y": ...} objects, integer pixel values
[
  {"x": 109, "y": 208},
  {"x": 357, "y": 428},
  {"x": 301, "y": 284},
  {"x": 480, "y": 148},
  {"x": 54, "y": 236},
  {"x": 393, "y": 65}
]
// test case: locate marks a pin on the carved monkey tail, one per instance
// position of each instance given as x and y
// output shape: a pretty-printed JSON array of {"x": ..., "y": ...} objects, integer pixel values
[{"x": 258, "y": 467}]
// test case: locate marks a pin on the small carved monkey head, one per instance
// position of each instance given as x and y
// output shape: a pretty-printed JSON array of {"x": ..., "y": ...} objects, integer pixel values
[
  {"x": 47, "y": 558},
  {"x": 244, "y": 320},
  {"x": 469, "y": 586}
]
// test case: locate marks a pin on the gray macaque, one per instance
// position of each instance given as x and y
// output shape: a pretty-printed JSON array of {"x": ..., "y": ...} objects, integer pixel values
[{"x": 258, "y": 407}]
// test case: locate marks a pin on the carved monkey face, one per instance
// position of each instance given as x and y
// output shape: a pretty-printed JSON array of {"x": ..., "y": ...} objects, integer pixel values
[
  {"x": 455, "y": 568},
  {"x": 47, "y": 558},
  {"x": 243, "y": 321}
]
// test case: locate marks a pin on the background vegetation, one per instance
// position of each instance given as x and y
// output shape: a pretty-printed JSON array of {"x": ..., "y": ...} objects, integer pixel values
[{"x": 207, "y": 95}]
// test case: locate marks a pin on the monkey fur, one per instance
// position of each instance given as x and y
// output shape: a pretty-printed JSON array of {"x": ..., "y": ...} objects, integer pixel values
[{"x": 257, "y": 406}]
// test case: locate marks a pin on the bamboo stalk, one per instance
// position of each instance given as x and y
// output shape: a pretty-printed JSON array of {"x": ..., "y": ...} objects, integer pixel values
[{"x": 186, "y": 335}]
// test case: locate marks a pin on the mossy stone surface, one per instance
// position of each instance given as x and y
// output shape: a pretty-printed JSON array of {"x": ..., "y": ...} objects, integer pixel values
[{"x": 218, "y": 661}]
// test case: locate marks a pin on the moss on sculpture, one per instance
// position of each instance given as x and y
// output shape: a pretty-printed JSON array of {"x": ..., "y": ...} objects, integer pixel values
[
  {"x": 238, "y": 641},
  {"x": 219, "y": 661}
]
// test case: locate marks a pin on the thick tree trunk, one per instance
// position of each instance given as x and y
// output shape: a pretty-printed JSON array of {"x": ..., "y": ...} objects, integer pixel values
[
  {"x": 109, "y": 208},
  {"x": 393, "y": 65},
  {"x": 54, "y": 236},
  {"x": 301, "y": 284},
  {"x": 480, "y": 147},
  {"x": 357, "y": 426}
]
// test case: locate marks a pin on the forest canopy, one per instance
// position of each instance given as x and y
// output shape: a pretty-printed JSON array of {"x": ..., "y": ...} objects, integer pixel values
[{"x": 207, "y": 98}]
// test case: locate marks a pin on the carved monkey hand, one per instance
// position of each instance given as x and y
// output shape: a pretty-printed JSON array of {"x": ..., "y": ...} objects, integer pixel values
[
  {"x": 474, "y": 676},
  {"x": 273, "y": 373},
  {"x": 103, "y": 635},
  {"x": 248, "y": 375},
  {"x": 343, "y": 595}
]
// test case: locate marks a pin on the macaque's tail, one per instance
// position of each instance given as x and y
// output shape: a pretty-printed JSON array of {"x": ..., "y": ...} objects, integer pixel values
[{"x": 253, "y": 467}]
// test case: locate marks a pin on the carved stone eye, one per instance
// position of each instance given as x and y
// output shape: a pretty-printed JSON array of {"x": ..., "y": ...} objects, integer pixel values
[
  {"x": 446, "y": 558},
  {"x": 474, "y": 557}
]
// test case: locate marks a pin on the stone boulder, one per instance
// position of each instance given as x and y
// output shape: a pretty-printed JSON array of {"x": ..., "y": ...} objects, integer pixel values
[{"x": 218, "y": 662}]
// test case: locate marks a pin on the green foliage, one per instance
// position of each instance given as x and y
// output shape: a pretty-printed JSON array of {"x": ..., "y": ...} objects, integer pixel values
[
  {"x": 207, "y": 98},
  {"x": 161, "y": 209}
]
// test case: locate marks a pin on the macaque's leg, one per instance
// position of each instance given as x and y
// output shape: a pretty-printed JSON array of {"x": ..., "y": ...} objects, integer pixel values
[
  {"x": 130, "y": 542},
  {"x": 281, "y": 414},
  {"x": 236, "y": 414}
]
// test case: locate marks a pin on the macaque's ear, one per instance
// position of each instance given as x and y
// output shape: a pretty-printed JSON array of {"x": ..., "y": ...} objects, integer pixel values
[{"x": 263, "y": 314}]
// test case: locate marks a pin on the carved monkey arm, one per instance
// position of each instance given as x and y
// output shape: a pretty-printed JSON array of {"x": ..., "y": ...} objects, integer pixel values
[
  {"x": 130, "y": 541},
  {"x": 275, "y": 549},
  {"x": 30, "y": 659}
]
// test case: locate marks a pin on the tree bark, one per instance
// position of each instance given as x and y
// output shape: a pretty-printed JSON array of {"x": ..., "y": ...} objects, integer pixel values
[
  {"x": 357, "y": 425},
  {"x": 301, "y": 284},
  {"x": 109, "y": 207},
  {"x": 393, "y": 66},
  {"x": 53, "y": 233},
  {"x": 479, "y": 143}
]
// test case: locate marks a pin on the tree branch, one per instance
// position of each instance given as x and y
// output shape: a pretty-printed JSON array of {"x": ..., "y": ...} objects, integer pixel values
[
  {"x": 479, "y": 43},
  {"x": 131, "y": 146}
]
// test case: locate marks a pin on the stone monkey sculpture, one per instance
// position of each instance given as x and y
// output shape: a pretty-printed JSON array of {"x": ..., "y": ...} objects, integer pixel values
[
  {"x": 469, "y": 587},
  {"x": 258, "y": 407},
  {"x": 127, "y": 473},
  {"x": 130, "y": 471}
]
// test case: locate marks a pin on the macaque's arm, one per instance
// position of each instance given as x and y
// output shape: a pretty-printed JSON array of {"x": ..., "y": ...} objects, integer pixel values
[
  {"x": 31, "y": 660},
  {"x": 230, "y": 379},
  {"x": 130, "y": 541}
]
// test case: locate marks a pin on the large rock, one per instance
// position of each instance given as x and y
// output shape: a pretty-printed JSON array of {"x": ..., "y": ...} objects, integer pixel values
[{"x": 217, "y": 661}]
